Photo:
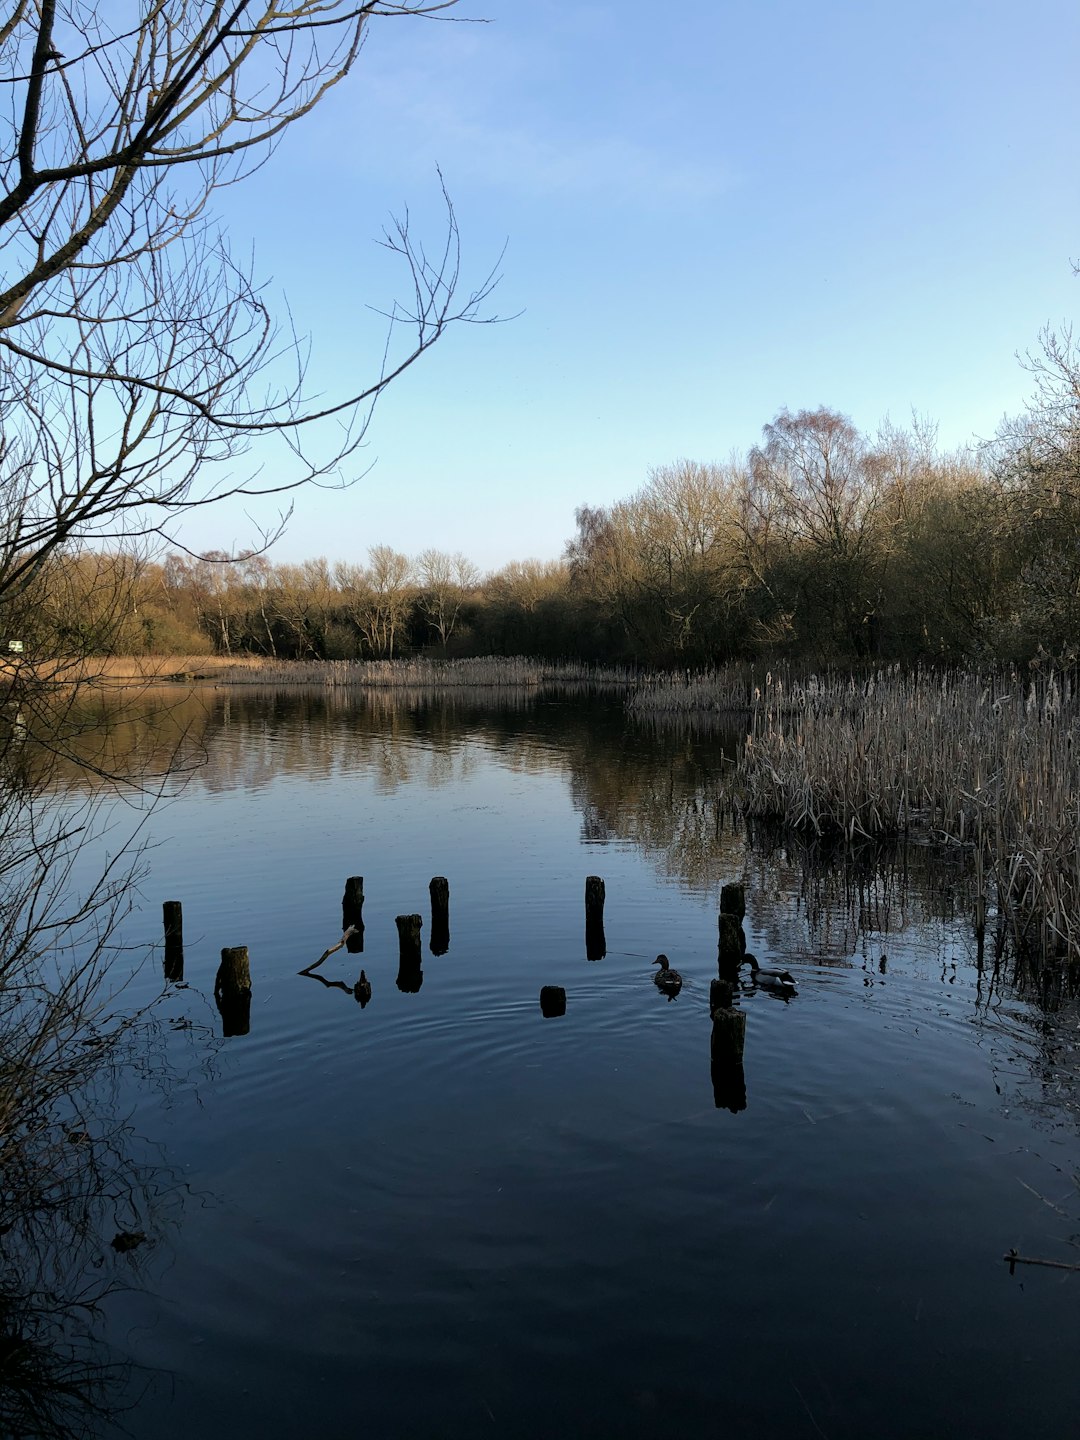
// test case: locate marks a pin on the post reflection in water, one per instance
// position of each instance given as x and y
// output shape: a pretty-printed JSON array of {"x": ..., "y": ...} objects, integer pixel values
[
  {"x": 172, "y": 915},
  {"x": 410, "y": 975},
  {"x": 439, "y": 889},
  {"x": 726, "y": 1048}
]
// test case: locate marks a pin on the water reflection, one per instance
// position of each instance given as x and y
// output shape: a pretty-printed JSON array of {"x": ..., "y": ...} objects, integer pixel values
[
  {"x": 410, "y": 975},
  {"x": 439, "y": 888},
  {"x": 85, "y": 1210},
  {"x": 494, "y": 1126}
]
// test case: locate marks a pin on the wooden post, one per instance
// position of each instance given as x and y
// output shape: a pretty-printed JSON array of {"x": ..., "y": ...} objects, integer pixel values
[
  {"x": 552, "y": 1001},
  {"x": 410, "y": 975},
  {"x": 721, "y": 995},
  {"x": 595, "y": 940},
  {"x": 439, "y": 889},
  {"x": 733, "y": 901},
  {"x": 732, "y": 945},
  {"x": 352, "y": 913},
  {"x": 232, "y": 991},
  {"x": 173, "y": 917}
]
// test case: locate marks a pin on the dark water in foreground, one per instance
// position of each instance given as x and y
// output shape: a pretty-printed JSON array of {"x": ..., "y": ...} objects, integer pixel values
[{"x": 444, "y": 1216}]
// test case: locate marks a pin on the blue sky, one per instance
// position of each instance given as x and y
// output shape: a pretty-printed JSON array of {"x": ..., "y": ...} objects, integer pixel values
[{"x": 709, "y": 214}]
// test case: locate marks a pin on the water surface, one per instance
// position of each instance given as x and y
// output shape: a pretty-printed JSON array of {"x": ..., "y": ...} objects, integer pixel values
[{"x": 444, "y": 1215}]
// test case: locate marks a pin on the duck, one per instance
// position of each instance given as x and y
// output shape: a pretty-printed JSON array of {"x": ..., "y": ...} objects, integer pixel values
[
  {"x": 782, "y": 981},
  {"x": 362, "y": 990},
  {"x": 667, "y": 980}
]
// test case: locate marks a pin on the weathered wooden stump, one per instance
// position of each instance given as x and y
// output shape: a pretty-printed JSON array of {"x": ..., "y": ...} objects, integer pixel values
[
  {"x": 173, "y": 917},
  {"x": 352, "y": 913},
  {"x": 733, "y": 901},
  {"x": 732, "y": 943},
  {"x": 721, "y": 995},
  {"x": 552, "y": 1001},
  {"x": 595, "y": 940},
  {"x": 439, "y": 889},
  {"x": 232, "y": 991}
]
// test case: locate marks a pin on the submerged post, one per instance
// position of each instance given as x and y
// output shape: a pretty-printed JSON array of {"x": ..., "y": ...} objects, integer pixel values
[
  {"x": 552, "y": 1001},
  {"x": 352, "y": 913},
  {"x": 439, "y": 889},
  {"x": 595, "y": 940},
  {"x": 232, "y": 990},
  {"x": 173, "y": 917}
]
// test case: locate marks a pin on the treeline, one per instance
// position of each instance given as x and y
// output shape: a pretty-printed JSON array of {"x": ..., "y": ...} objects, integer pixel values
[{"x": 821, "y": 544}]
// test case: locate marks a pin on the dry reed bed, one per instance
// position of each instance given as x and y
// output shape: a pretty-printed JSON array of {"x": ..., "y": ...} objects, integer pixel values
[
  {"x": 729, "y": 690},
  {"x": 490, "y": 672},
  {"x": 991, "y": 762}
]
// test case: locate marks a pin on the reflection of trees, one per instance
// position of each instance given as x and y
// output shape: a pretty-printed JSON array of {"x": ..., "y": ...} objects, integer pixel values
[
  {"x": 77, "y": 1208},
  {"x": 69, "y": 1180}
]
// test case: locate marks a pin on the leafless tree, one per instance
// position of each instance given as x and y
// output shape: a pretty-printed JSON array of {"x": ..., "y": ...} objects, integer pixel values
[
  {"x": 445, "y": 581},
  {"x": 138, "y": 359}
]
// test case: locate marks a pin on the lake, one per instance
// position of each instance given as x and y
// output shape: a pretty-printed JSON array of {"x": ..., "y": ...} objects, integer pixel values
[{"x": 441, "y": 1214}]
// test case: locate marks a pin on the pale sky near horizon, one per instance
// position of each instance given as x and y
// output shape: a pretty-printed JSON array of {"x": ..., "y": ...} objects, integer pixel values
[{"x": 710, "y": 214}]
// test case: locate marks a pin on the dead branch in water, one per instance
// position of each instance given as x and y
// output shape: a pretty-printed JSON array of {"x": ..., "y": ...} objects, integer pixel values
[
  {"x": 350, "y": 930},
  {"x": 1014, "y": 1259}
]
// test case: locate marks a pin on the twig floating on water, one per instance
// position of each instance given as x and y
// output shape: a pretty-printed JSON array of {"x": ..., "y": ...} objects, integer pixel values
[{"x": 1014, "y": 1259}]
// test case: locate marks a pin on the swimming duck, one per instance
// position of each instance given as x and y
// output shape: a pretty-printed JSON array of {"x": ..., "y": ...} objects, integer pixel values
[
  {"x": 666, "y": 979},
  {"x": 782, "y": 981},
  {"x": 362, "y": 990}
]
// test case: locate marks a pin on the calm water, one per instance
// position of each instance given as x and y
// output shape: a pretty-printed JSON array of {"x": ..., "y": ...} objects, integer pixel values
[{"x": 443, "y": 1215}]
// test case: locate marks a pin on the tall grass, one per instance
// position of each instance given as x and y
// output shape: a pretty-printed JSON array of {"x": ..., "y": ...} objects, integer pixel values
[
  {"x": 486, "y": 672},
  {"x": 988, "y": 762},
  {"x": 729, "y": 690}
]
